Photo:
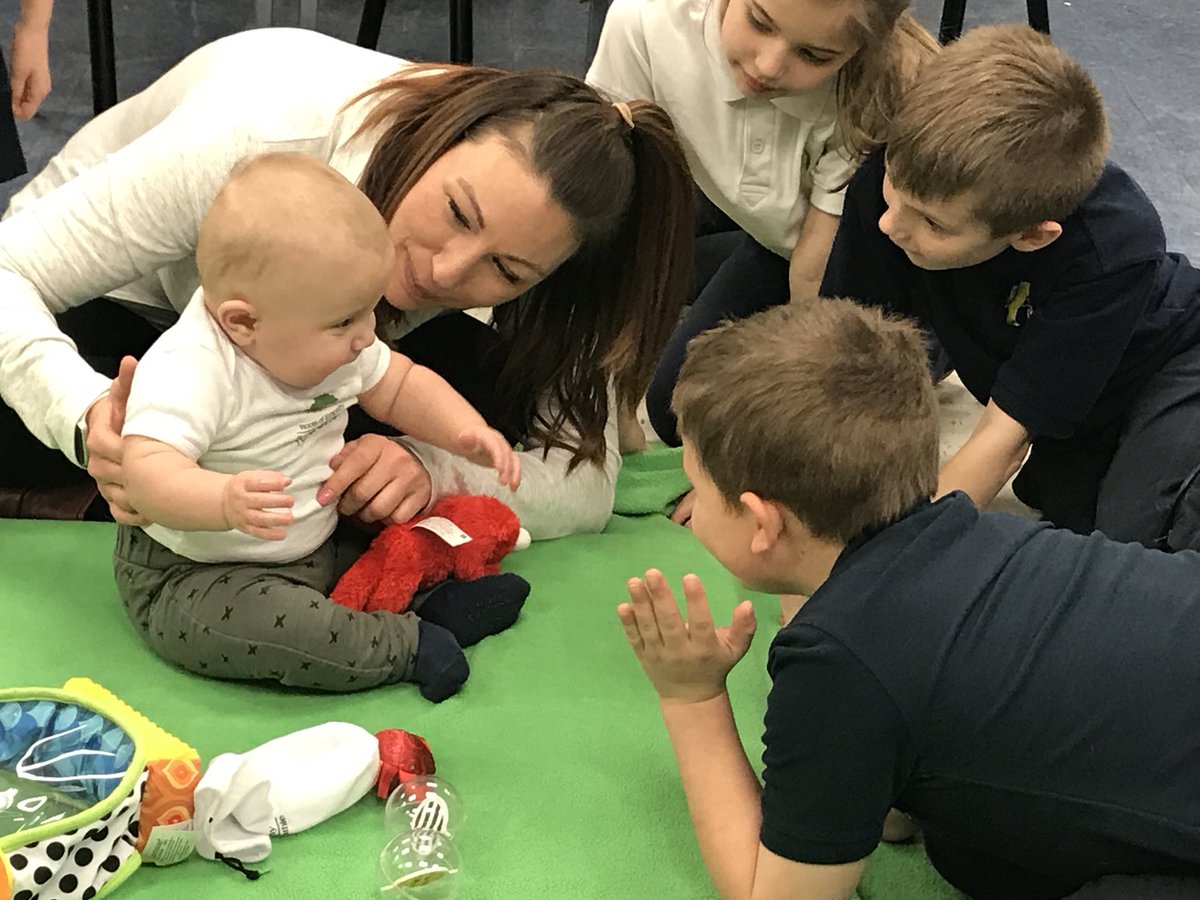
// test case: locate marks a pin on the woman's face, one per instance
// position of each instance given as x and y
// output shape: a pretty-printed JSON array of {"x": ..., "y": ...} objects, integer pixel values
[{"x": 477, "y": 229}]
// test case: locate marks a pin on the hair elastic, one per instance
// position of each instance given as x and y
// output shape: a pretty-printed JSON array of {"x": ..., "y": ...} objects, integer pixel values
[{"x": 623, "y": 108}]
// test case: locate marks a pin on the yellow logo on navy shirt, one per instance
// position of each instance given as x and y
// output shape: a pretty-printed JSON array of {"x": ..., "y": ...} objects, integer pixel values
[{"x": 1018, "y": 309}]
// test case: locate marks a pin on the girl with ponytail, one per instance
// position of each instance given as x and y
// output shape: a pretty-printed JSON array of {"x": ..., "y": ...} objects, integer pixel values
[{"x": 775, "y": 101}]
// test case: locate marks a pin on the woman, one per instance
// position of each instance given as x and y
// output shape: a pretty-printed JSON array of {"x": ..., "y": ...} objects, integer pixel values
[{"x": 526, "y": 192}]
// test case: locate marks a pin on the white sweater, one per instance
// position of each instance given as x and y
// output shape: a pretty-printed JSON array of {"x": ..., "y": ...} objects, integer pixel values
[{"x": 116, "y": 213}]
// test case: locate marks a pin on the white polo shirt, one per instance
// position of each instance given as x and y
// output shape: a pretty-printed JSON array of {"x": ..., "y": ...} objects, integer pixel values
[{"x": 762, "y": 162}]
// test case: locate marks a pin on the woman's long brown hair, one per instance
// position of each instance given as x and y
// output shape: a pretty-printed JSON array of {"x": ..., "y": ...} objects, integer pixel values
[{"x": 606, "y": 313}]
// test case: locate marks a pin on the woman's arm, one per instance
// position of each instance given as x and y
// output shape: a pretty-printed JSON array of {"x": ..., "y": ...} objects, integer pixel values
[
  {"x": 391, "y": 480},
  {"x": 133, "y": 212},
  {"x": 550, "y": 502}
]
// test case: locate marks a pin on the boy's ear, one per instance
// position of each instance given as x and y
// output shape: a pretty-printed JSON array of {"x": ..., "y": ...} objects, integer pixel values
[
  {"x": 1043, "y": 234},
  {"x": 768, "y": 522},
  {"x": 238, "y": 319}
]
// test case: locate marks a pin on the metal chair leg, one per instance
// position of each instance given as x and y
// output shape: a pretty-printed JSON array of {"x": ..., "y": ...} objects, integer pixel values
[
  {"x": 370, "y": 24},
  {"x": 953, "y": 10},
  {"x": 952, "y": 20},
  {"x": 1039, "y": 15},
  {"x": 104, "y": 65},
  {"x": 462, "y": 43}
]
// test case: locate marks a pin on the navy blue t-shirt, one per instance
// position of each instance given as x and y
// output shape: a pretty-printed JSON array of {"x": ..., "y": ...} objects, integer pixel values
[
  {"x": 1105, "y": 306},
  {"x": 1028, "y": 692}
]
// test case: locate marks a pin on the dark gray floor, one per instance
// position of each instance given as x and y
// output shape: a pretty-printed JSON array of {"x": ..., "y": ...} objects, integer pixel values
[{"x": 1141, "y": 54}]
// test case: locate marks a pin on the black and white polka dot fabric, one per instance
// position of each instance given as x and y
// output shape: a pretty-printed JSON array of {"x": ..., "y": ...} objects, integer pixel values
[{"x": 76, "y": 864}]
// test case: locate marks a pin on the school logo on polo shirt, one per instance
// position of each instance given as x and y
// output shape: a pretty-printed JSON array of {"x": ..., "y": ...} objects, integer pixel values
[{"x": 1018, "y": 309}]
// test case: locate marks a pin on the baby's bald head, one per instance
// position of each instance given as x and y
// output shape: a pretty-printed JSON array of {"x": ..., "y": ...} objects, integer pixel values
[{"x": 284, "y": 227}]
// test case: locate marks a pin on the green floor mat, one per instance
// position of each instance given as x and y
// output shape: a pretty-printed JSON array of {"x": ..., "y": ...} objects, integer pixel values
[{"x": 555, "y": 743}]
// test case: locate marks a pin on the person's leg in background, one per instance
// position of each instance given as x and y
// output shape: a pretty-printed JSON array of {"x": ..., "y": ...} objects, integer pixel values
[
  {"x": 1151, "y": 493},
  {"x": 750, "y": 279},
  {"x": 36, "y": 481}
]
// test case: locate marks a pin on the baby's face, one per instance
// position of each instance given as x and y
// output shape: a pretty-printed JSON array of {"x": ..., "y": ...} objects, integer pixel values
[{"x": 302, "y": 340}]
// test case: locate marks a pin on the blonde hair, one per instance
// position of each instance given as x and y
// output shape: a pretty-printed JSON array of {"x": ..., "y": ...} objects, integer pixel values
[
  {"x": 1007, "y": 118},
  {"x": 276, "y": 215},
  {"x": 825, "y": 407},
  {"x": 894, "y": 47}
]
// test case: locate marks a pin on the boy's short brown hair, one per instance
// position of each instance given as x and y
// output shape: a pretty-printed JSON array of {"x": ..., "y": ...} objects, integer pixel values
[
  {"x": 1006, "y": 119},
  {"x": 824, "y": 406}
]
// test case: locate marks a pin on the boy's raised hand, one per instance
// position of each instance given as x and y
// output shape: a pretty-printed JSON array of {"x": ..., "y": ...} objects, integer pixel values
[
  {"x": 486, "y": 446},
  {"x": 254, "y": 503},
  {"x": 685, "y": 661}
]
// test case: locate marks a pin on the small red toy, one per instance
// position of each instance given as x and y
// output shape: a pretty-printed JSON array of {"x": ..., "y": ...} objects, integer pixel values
[
  {"x": 402, "y": 755},
  {"x": 404, "y": 559}
]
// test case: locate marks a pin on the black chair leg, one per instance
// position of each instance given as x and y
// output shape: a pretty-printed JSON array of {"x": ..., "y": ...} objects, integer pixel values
[
  {"x": 953, "y": 10},
  {"x": 462, "y": 41},
  {"x": 370, "y": 23},
  {"x": 104, "y": 65},
  {"x": 952, "y": 20},
  {"x": 1039, "y": 15}
]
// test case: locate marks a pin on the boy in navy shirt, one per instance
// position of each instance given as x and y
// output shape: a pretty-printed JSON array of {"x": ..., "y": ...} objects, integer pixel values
[
  {"x": 1025, "y": 693},
  {"x": 993, "y": 218}
]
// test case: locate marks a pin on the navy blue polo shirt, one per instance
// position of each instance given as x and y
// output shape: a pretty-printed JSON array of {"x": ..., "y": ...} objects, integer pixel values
[
  {"x": 1027, "y": 692},
  {"x": 1062, "y": 338}
]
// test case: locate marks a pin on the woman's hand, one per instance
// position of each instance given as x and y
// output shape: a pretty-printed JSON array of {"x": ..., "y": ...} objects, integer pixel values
[
  {"x": 105, "y": 420},
  {"x": 377, "y": 480}
]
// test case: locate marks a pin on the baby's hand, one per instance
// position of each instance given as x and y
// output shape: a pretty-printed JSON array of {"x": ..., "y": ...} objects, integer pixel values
[
  {"x": 487, "y": 447},
  {"x": 254, "y": 503}
]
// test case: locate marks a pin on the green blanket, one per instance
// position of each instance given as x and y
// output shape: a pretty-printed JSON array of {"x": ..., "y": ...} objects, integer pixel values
[
  {"x": 651, "y": 482},
  {"x": 555, "y": 743}
]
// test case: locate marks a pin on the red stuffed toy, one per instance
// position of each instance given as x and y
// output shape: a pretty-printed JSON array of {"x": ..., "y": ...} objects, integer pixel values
[{"x": 405, "y": 559}]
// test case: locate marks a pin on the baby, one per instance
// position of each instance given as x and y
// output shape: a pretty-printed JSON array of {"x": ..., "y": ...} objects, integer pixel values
[{"x": 233, "y": 417}]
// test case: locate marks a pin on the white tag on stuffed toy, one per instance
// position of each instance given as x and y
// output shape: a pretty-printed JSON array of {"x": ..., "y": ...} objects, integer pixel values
[{"x": 445, "y": 529}]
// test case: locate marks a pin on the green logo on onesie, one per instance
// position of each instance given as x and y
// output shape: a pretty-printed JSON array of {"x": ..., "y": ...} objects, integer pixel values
[{"x": 321, "y": 401}]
